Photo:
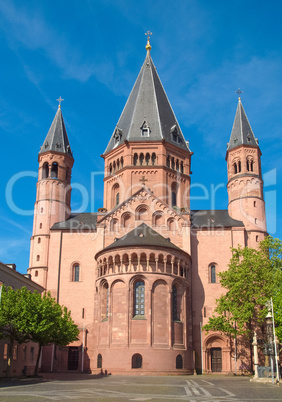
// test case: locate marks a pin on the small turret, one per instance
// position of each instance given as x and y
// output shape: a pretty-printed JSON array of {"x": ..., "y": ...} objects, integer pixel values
[
  {"x": 245, "y": 184},
  {"x": 53, "y": 194}
]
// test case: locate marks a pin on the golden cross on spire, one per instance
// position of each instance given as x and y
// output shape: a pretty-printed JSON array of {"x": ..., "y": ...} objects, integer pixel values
[
  {"x": 148, "y": 34},
  {"x": 60, "y": 101},
  {"x": 239, "y": 92}
]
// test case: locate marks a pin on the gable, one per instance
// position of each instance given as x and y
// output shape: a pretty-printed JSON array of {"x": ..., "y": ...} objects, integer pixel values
[{"x": 145, "y": 207}]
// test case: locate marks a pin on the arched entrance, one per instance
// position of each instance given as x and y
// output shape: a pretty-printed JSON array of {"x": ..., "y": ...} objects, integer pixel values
[{"x": 216, "y": 360}]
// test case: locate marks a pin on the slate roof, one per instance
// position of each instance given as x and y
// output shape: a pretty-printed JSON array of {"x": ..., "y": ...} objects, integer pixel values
[
  {"x": 142, "y": 236},
  {"x": 213, "y": 219},
  {"x": 57, "y": 138},
  {"x": 147, "y": 104},
  {"x": 84, "y": 221},
  {"x": 242, "y": 133}
]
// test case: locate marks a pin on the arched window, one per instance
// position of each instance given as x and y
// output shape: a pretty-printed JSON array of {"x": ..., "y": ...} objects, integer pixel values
[
  {"x": 114, "y": 225},
  {"x": 36, "y": 273},
  {"x": 54, "y": 170},
  {"x": 239, "y": 166},
  {"x": 142, "y": 213},
  {"x": 75, "y": 274},
  {"x": 38, "y": 257},
  {"x": 168, "y": 161},
  {"x": 111, "y": 168},
  {"x": 250, "y": 165},
  {"x": 141, "y": 159},
  {"x": 139, "y": 298},
  {"x": 174, "y": 194},
  {"x": 177, "y": 165},
  {"x": 135, "y": 159},
  {"x": 172, "y": 163},
  {"x": 105, "y": 302},
  {"x": 257, "y": 238},
  {"x": 40, "y": 225},
  {"x": 153, "y": 158},
  {"x": 118, "y": 164},
  {"x": 235, "y": 170},
  {"x": 179, "y": 362},
  {"x": 99, "y": 361},
  {"x": 213, "y": 274},
  {"x": 147, "y": 159},
  {"x": 175, "y": 312},
  {"x": 136, "y": 361},
  {"x": 181, "y": 167},
  {"x": 45, "y": 170},
  {"x": 114, "y": 166},
  {"x": 39, "y": 240},
  {"x": 115, "y": 195},
  {"x": 121, "y": 162}
]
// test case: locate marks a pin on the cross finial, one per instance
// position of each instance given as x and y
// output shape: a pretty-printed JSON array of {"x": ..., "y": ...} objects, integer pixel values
[
  {"x": 148, "y": 34},
  {"x": 239, "y": 92},
  {"x": 60, "y": 101}
]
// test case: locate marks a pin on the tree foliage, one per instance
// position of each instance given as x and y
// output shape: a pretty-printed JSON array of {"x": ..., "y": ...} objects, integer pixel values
[
  {"x": 252, "y": 278},
  {"x": 27, "y": 316}
]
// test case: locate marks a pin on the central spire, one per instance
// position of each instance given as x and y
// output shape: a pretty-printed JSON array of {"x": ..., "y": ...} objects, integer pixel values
[{"x": 147, "y": 115}]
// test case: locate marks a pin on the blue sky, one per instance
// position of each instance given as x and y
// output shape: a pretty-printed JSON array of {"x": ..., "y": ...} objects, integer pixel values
[{"x": 90, "y": 52}]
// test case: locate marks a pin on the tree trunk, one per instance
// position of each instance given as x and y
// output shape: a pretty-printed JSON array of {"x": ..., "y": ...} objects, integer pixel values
[
  {"x": 9, "y": 357},
  {"x": 37, "y": 361},
  {"x": 251, "y": 355}
]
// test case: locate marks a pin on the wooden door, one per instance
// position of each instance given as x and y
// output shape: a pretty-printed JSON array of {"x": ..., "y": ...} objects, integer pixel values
[
  {"x": 73, "y": 358},
  {"x": 216, "y": 360}
]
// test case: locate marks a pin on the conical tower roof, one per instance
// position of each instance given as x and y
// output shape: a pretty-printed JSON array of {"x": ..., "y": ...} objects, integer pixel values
[
  {"x": 242, "y": 133},
  {"x": 147, "y": 115},
  {"x": 57, "y": 138}
]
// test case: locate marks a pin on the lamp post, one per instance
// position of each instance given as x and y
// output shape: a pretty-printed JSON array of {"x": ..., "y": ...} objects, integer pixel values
[{"x": 269, "y": 340}]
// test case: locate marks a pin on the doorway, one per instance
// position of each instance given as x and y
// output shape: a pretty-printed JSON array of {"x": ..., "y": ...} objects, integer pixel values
[
  {"x": 73, "y": 358},
  {"x": 216, "y": 360}
]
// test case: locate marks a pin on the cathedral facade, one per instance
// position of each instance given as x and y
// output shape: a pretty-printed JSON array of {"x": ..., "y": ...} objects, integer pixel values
[{"x": 140, "y": 276}]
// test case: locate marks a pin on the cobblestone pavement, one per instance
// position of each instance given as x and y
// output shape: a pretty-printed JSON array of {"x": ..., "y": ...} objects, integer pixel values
[{"x": 82, "y": 387}]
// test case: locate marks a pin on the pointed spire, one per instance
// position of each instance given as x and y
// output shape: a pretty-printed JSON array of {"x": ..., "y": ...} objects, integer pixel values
[
  {"x": 57, "y": 138},
  {"x": 147, "y": 115},
  {"x": 242, "y": 133}
]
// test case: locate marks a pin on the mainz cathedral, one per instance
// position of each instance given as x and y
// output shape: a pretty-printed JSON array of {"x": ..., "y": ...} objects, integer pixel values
[{"x": 140, "y": 276}]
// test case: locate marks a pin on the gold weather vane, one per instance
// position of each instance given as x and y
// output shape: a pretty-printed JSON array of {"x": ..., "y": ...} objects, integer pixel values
[
  {"x": 239, "y": 92},
  {"x": 60, "y": 101},
  {"x": 148, "y": 34}
]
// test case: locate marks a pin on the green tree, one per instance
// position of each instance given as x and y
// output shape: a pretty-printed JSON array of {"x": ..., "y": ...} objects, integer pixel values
[
  {"x": 48, "y": 322},
  {"x": 11, "y": 325},
  {"x": 27, "y": 316},
  {"x": 250, "y": 282}
]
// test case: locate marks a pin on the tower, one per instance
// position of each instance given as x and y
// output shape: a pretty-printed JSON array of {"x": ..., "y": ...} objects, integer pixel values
[
  {"x": 245, "y": 184},
  {"x": 147, "y": 146},
  {"x": 52, "y": 196}
]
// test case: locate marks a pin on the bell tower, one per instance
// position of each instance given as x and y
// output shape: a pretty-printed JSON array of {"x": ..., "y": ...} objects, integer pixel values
[
  {"x": 147, "y": 147},
  {"x": 53, "y": 194},
  {"x": 245, "y": 184}
]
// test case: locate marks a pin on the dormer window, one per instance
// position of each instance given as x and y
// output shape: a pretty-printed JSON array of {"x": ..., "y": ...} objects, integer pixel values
[
  {"x": 145, "y": 130},
  {"x": 117, "y": 136},
  {"x": 249, "y": 137},
  {"x": 174, "y": 134}
]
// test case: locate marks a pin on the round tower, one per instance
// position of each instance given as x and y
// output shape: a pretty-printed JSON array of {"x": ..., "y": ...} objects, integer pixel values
[
  {"x": 53, "y": 194},
  {"x": 245, "y": 184}
]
